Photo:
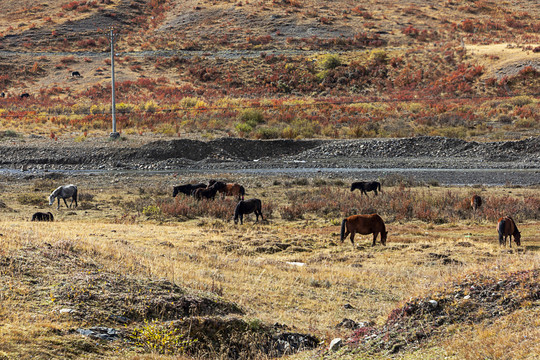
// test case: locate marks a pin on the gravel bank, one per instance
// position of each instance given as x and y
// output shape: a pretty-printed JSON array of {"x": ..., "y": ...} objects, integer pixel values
[{"x": 448, "y": 161}]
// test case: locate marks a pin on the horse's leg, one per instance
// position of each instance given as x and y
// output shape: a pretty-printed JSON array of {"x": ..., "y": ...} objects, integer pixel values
[
  {"x": 58, "y": 207},
  {"x": 375, "y": 191},
  {"x": 375, "y": 238},
  {"x": 352, "y": 237}
]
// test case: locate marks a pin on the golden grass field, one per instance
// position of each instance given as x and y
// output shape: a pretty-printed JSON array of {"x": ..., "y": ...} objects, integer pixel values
[{"x": 295, "y": 273}]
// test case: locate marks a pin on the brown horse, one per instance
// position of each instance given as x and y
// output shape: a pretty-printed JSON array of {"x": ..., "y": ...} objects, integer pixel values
[
  {"x": 228, "y": 189},
  {"x": 507, "y": 227},
  {"x": 364, "y": 225},
  {"x": 476, "y": 202}
]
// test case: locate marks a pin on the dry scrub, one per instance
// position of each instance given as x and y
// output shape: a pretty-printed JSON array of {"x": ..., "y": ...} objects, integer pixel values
[{"x": 293, "y": 275}]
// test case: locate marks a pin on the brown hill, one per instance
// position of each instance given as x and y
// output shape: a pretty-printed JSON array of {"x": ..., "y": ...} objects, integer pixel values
[{"x": 170, "y": 50}]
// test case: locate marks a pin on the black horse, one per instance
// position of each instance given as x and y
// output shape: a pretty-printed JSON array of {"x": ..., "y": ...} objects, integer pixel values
[
  {"x": 247, "y": 207},
  {"x": 41, "y": 216},
  {"x": 364, "y": 186},
  {"x": 187, "y": 189},
  {"x": 75, "y": 74},
  {"x": 24, "y": 95}
]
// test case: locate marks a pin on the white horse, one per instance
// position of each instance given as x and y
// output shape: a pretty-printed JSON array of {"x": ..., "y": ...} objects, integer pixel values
[{"x": 63, "y": 192}]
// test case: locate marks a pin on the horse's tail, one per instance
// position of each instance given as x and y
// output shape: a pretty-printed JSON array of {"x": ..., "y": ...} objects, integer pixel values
[
  {"x": 501, "y": 228},
  {"x": 343, "y": 224},
  {"x": 242, "y": 191},
  {"x": 51, "y": 217},
  {"x": 379, "y": 186}
]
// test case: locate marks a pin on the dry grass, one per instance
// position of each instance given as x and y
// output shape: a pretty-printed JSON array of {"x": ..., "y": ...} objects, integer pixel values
[{"x": 295, "y": 273}]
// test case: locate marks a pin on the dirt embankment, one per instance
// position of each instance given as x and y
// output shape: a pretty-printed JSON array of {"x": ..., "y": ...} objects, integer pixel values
[{"x": 235, "y": 154}]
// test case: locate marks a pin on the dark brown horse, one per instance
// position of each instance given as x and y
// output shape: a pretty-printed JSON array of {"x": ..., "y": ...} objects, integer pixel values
[
  {"x": 41, "y": 216},
  {"x": 205, "y": 193},
  {"x": 364, "y": 225},
  {"x": 476, "y": 202},
  {"x": 364, "y": 186},
  {"x": 248, "y": 207},
  {"x": 507, "y": 228}
]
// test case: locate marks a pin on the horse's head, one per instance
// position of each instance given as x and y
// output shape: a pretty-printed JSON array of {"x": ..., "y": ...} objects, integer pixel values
[
  {"x": 51, "y": 199},
  {"x": 352, "y": 187},
  {"x": 175, "y": 192},
  {"x": 517, "y": 238},
  {"x": 384, "y": 234}
]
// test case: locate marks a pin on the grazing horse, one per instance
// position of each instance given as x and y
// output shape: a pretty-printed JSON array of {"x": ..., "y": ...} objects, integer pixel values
[
  {"x": 41, "y": 216},
  {"x": 206, "y": 193},
  {"x": 75, "y": 73},
  {"x": 24, "y": 95},
  {"x": 64, "y": 192},
  {"x": 247, "y": 207},
  {"x": 476, "y": 202},
  {"x": 364, "y": 225},
  {"x": 228, "y": 189},
  {"x": 364, "y": 186},
  {"x": 507, "y": 227},
  {"x": 187, "y": 189}
]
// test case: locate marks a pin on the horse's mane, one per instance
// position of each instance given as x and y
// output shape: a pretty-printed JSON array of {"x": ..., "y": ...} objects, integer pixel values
[{"x": 56, "y": 191}]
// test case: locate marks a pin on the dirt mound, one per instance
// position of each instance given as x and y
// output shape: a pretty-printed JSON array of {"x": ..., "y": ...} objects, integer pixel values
[
  {"x": 67, "y": 281},
  {"x": 473, "y": 299},
  {"x": 224, "y": 148}
]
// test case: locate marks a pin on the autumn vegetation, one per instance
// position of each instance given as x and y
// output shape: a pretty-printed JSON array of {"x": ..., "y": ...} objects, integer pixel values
[
  {"x": 268, "y": 69},
  {"x": 413, "y": 80}
]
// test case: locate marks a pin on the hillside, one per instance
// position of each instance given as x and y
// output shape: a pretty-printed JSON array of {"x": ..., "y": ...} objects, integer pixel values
[{"x": 466, "y": 69}]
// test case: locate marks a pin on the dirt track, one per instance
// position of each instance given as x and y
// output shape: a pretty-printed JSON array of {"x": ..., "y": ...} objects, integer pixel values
[{"x": 448, "y": 161}]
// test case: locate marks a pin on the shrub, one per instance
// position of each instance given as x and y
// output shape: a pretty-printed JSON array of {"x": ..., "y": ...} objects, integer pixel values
[
  {"x": 32, "y": 199},
  {"x": 331, "y": 61},
  {"x": 163, "y": 339},
  {"x": 252, "y": 117}
]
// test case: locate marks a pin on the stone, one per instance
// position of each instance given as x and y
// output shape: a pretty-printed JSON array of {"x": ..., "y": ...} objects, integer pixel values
[{"x": 335, "y": 344}]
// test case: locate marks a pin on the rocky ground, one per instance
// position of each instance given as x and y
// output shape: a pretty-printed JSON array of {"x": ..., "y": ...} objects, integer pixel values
[{"x": 444, "y": 160}]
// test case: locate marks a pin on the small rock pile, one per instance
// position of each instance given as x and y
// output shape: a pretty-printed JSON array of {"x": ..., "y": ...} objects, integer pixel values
[{"x": 475, "y": 298}]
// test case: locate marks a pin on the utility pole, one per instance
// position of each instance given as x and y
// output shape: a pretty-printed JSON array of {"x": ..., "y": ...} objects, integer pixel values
[{"x": 114, "y": 134}]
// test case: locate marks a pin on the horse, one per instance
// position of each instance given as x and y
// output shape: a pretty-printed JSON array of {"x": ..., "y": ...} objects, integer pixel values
[
  {"x": 24, "y": 95},
  {"x": 41, "y": 216},
  {"x": 364, "y": 225},
  {"x": 187, "y": 189},
  {"x": 228, "y": 189},
  {"x": 476, "y": 202},
  {"x": 247, "y": 207},
  {"x": 64, "y": 192},
  {"x": 75, "y": 73},
  {"x": 365, "y": 186},
  {"x": 207, "y": 193},
  {"x": 507, "y": 227}
]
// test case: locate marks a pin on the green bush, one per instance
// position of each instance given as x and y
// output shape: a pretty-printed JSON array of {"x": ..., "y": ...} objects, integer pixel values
[
  {"x": 252, "y": 117},
  {"x": 161, "y": 339},
  {"x": 331, "y": 61}
]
